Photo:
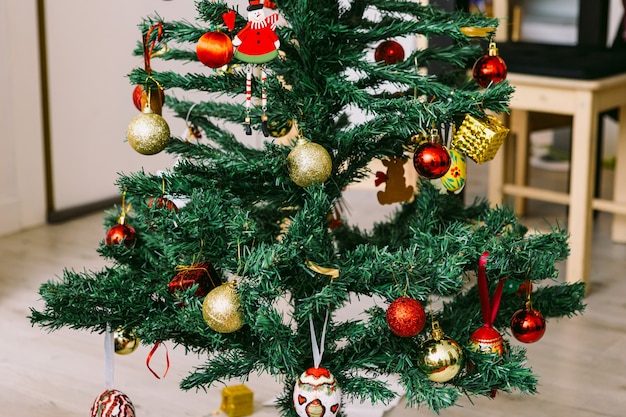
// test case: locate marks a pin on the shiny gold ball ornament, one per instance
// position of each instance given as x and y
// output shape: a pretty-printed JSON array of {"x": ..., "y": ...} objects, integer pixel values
[
  {"x": 148, "y": 133},
  {"x": 440, "y": 357},
  {"x": 221, "y": 309},
  {"x": 309, "y": 163},
  {"x": 125, "y": 340}
]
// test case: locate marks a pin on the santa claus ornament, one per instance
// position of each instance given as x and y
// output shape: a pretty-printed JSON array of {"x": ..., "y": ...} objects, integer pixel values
[
  {"x": 257, "y": 43},
  {"x": 316, "y": 393}
]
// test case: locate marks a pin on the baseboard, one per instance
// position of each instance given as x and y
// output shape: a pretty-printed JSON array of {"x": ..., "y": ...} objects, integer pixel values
[{"x": 60, "y": 216}]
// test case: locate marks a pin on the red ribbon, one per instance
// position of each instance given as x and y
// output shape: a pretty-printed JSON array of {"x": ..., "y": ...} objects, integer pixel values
[
  {"x": 147, "y": 50},
  {"x": 167, "y": 359},
  {"x": 380, "y": 178},
  {"x": 489, "y": 308}
]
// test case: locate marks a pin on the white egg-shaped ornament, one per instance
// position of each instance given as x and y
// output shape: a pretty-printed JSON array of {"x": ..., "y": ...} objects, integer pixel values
[
  {"x": 112, "y": 403},
  {"x": 316, "y": 394}
]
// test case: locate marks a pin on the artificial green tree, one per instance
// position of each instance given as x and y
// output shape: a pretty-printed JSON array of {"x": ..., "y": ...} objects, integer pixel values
[{"x": 246, "y": 216}]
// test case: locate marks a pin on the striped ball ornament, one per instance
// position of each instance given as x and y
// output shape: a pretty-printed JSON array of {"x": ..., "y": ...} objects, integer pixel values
[{"x": 112, "y": 403}]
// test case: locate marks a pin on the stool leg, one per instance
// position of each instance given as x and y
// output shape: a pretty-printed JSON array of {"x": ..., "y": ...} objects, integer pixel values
[
  {"x": 582, "y": 179},
  {"x": 519, "y": 125},
  {"x": 496, "y": 176},
  {"x": 618, "y": 229}
]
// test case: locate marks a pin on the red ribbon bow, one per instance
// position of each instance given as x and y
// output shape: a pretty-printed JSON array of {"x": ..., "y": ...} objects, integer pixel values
[
  {"x": 380, "y": 178},
  {"x": 489, "y": 308},
  {"x": 167, "y": 360},
  {"x": 148, "y": 50}
]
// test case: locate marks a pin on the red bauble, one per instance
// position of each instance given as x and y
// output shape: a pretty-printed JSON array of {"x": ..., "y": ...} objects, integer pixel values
[
  {"x": 487, "y": 340},
  {"x": 431, "y": 160},
  {"x": 121, "y": 233},
  {"x": 489, "y": 69},
  {"x": 201, "y": 273},
  {"x": 214, "y": 49},
  {"x": 140, "y": 97},
  {"x": 406, "y": 317},
  {"x": 389, "y": 52},
  {"x": 528, "y": 325}
]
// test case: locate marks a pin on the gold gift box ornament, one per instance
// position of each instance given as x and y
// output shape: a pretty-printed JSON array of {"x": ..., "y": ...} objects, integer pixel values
[
  {"x": 237, "y": 401},
  {"x": 480, "y": 138}
]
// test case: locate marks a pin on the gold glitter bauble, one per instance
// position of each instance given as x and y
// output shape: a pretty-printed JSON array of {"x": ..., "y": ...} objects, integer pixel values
[
  {"x": 309, "y": 163},
  {"x": 221, "y": 309},
  {"x": 125, "y": 341},
  {"x": 148, "y": 133}
]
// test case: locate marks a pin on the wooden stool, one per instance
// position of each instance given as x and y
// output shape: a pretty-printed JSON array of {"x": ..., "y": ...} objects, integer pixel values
[{"x": 584, "y": 100}]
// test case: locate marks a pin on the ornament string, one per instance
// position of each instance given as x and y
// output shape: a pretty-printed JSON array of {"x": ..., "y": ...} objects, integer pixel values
[
  {"x": 191, "y": 130},
  {"x": 406, "y": 287},
  {"x": 529, "y": 290},
  {"x": 167, "y": 360},
  {"x": 124, "y": 209},
  {"x": 149, "y": 90},
  {"x": 318, "y": 350},
  {"x": 109, "y": 349},
  {"x": 489, "y": 308}
]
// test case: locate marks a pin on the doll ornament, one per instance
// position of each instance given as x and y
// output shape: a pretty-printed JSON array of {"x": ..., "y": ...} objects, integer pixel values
[{"x": 257, "y": 43}]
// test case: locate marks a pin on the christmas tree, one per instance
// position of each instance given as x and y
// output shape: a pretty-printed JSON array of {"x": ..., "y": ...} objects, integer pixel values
[{"x": 240, "y": 253}]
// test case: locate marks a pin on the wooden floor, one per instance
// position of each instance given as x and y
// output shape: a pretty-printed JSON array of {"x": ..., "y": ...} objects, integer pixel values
[{"x": 580, "y": 361}]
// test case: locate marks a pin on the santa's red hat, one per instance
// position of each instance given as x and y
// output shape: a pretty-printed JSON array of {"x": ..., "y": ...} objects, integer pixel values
[{"x": 255, "y": 5}]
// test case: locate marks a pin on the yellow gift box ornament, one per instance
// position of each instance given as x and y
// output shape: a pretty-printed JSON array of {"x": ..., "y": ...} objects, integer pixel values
[
  {"x": 480, "y": 138},
  {"x": 237, "y": 401}
]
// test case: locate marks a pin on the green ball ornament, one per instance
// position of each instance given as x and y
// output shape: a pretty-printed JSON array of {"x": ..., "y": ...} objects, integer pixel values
[
  {"x": 309, "y": 163},
  {"x": 148, "y": 133},
  {"x": 440, "y": 357}
]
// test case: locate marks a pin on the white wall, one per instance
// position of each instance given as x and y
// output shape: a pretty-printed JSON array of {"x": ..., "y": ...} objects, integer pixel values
[
  {"x": 22, "y": 192},
  {"x": 90, "y": 46},
  {"x": 89, "y": 52}
]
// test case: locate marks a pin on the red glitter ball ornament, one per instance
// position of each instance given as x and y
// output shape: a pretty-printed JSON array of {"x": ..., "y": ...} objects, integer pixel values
[
  {"x": 528, "y": 325},
  {"x": 487, "y": 340},
  {"x": 405, "y": 317},
  {"x": 389, "y": 52},
  {"x": 121, "y": 234},
  {"x": 489, "y": 68},
  {"x": 431, "y": 160},
  {"x": 214, "y": 49}
]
